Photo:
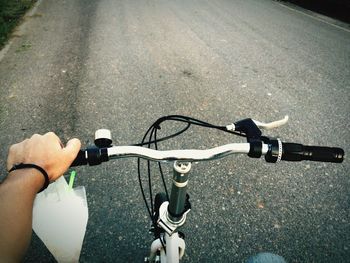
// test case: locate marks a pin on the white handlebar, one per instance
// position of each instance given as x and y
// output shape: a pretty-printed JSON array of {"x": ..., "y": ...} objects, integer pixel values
[{"x": 181, "y": 155}]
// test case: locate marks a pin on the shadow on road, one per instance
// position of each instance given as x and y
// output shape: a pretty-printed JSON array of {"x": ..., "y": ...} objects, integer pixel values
[{"x": 338, "y": 9}]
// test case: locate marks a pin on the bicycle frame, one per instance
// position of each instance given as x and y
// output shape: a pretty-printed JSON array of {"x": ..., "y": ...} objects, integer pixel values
[
  {"x": 175, "y": 249},
  {"x": 172, "y": 215}
]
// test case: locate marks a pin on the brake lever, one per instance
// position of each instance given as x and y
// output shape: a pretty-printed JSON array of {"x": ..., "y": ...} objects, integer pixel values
[
  {"x": 271, "y": 125},
  {"x": 251, "y": 129}
]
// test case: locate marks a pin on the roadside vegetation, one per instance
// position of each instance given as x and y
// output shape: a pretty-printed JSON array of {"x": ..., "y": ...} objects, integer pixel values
[
  {"x": 11, "y": 11},
  {"x": 338, "y": 9}
]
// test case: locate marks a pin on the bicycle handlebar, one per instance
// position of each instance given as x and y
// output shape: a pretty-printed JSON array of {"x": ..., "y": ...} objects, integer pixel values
[
  {"x": 273, "y": 151},
  {"x": 95, "y": 155}
]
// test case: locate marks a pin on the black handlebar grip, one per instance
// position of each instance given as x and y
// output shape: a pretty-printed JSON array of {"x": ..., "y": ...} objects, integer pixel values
[
  {"x": 80, "y": 159},
  {"x": 298, "y": 152},
  {"x": 91, "y": 156}
]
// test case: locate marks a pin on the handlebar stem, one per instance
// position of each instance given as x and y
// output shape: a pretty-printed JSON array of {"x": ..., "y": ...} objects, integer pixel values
[
  {"x": 172, "y": 214},
  {"x": 177, "y": 201}
]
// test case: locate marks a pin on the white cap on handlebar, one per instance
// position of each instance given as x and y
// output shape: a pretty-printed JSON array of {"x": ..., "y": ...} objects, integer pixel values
[{"x": 103, "y": 134}]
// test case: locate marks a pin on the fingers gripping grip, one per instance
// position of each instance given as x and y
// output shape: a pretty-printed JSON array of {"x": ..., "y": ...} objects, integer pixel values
[
  {"x": 92, "y": 156},
  {"x": 298, "y": 152}
]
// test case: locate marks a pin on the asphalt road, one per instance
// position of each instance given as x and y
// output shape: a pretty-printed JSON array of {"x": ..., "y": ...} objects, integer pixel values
[{"x": 83, "y": 65}]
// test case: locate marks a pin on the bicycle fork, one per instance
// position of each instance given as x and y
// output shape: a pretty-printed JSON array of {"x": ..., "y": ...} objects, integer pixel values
[{"x": 172, "y": 215}]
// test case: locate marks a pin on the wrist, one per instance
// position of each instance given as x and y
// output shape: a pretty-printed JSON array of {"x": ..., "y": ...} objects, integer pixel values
[
  {"x": 36, "y": 167},
  {"x": 28, "y": 177}
]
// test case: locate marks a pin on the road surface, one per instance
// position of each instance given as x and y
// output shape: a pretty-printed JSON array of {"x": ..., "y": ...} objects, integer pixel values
[{"x": 83, "y": 65}]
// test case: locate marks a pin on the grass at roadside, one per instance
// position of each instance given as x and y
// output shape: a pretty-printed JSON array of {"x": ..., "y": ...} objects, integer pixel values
[
  {"x": 11, "y": 12},
  {"x": 338, "y": 9}
]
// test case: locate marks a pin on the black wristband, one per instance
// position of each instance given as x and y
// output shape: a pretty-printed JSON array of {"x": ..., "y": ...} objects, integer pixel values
[{"x": 30, "y": 165}]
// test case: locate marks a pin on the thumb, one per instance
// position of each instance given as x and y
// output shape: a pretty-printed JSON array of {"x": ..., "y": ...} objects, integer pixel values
[
  {"x": 67, "y": 156},
  {"x": 71, "y": 150}
]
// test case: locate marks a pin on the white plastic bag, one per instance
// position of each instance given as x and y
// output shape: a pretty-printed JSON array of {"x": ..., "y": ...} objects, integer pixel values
[{"x": 60, "y": 216}]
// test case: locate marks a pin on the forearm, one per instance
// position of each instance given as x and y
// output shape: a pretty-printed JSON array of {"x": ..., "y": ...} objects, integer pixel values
[{"x": 17, "y": 194}]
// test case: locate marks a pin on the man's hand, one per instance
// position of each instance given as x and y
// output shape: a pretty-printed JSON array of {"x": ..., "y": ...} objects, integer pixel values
[
  {"x": 18, "y": 190},
  {"x": 46, "y": 151}
]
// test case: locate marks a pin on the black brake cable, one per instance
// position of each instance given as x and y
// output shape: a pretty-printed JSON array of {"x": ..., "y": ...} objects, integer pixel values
[
  {"x": 139, "y": 175},
  {"x": 187, "y": 120},
  {"x": 164, "y": 138},
  {"x": 160, "y": 166},
  {"x": 149, "y": 173}
]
